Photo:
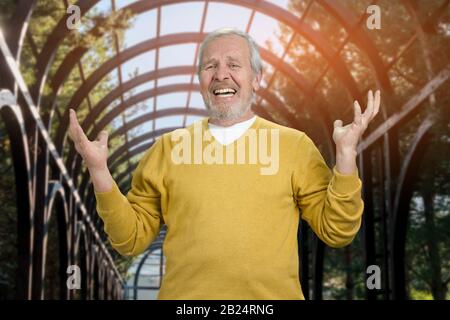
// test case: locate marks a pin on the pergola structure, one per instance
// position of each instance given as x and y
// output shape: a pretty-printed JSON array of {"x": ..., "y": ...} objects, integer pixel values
[{"x": 50, "y": 178}]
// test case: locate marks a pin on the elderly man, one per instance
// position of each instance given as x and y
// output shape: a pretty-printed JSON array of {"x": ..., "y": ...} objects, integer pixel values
[{"x": 231, "y": 227}]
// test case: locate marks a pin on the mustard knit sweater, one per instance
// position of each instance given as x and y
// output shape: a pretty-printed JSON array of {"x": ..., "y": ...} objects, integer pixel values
[{"x": 231, "y": 230}]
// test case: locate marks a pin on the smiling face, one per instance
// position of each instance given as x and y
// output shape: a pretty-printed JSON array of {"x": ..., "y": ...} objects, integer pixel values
[{"x": 227, "y": 81}]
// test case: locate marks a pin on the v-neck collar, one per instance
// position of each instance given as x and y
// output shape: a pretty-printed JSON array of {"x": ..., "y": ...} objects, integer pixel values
[{"x": 253, "y": 126}]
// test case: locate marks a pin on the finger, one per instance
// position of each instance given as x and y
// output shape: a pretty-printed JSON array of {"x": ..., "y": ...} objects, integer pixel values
[
  {"x": 337, "y": 123},
  {"x": 358, "y": 118},
  {"x": 367, "y": 115},
  {"x": 72, "y": 125},
  {"x": 77, "y": 131},
  {"x": 376, "y": 103}
]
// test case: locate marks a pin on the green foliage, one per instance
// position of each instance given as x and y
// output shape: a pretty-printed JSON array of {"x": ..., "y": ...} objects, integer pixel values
[
  {"x": 427, "y": 240},
  {"x": 96, "y": 35}
]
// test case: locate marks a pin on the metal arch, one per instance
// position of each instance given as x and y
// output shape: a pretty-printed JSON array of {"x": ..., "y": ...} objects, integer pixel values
[
  {"x": 16, "y": 30},
  {"x": 360, "y": 39},
  {"x": 13, "y": 119},
  {"x": 410, "y": 106},
  {"x": 19, "y": 21},
  {"x": 403, "y": 195},
  {"x": 138, "y": 271},
  {"x": 156, "y": 244},
  {"x": 11, "y": 67},
  {"x": 156, "y": 115},
  {"x": 49, "y": 49},
  {"x": 103, "y": 279},
  {"x": 281, "y": 15},
  {"x": 94, "y": 276},
  {"x": 56, "y": 195},
  {"x": 142, "y": 138},
  {"x": 80, "y": 254},
  {"x": 129, "y": 85}
]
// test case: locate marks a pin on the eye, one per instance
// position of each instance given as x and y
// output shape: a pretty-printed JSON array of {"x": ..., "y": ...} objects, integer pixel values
[{"x": 234, "y": 66}]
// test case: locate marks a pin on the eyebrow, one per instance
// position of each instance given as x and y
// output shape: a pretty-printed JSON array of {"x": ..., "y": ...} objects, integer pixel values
[{"x": 229, "y": 58}]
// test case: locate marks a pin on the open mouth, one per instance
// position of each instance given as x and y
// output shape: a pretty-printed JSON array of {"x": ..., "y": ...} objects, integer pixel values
[{"x": 225, "y": 92}]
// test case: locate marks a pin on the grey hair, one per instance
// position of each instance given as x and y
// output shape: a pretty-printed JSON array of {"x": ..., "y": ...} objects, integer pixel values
[{"x": 255, "y": 58}]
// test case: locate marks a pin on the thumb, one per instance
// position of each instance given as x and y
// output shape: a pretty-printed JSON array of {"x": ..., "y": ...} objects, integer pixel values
[
  {"x": 103, "y": 138},
  {"x": 337, "y": 124}
]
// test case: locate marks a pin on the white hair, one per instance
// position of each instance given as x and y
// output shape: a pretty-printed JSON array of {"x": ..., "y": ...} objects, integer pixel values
[{"x": 255, "y": 58}]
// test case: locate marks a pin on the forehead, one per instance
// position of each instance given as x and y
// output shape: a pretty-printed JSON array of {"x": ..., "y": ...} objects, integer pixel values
[{"x": 226, "y": 46}]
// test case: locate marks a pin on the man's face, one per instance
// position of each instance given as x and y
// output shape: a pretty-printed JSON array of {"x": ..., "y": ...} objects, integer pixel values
[{"x": 227, "y": 81}]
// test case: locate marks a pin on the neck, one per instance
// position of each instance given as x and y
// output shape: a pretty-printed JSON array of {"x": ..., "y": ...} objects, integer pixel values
[{"x": 229, "y": 122}]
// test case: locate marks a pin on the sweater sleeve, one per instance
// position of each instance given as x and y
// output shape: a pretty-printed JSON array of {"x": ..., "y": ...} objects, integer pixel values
[
  {"x": 330, "y": 202},
  {"x": 133, "y": 221}
]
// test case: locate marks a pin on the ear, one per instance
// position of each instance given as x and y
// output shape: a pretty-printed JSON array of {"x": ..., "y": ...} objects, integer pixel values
[{"x": 256, "y": 81}]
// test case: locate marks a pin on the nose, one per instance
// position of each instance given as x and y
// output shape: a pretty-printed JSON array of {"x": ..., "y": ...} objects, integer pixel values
[{"x": 221, "y": 73}]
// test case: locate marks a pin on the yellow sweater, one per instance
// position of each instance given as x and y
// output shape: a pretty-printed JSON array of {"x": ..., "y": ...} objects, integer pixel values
[{"x": 232, "y": 231}]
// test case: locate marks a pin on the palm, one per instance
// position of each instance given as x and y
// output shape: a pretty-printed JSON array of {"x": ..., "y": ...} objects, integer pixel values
[
  {"x": 94, "y": 153},
  {"x": 347, "y": 137}
]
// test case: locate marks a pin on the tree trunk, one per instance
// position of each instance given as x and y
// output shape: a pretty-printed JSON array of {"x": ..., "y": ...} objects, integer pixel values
[
  {"x": 437, "y": 285},
  {"x": 349, "y": 284}
]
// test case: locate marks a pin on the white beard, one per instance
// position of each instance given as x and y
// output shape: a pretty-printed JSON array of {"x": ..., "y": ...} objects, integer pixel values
[{"x": 224, "y": 112}]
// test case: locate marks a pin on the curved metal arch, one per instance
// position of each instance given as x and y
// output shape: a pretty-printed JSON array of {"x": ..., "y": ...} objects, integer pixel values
[
  {"x": 360, "y": 38},
  {"x": 281, "y": 15},
  {"x": 80, "y": 253},
  {"x": 19, "y": 21},
  {"x": 50, "y": 48},
  {"x": 156, "y": 244},
  {"x": 56, "y": 195},
  {"x": 403, "y": 195},
  {"x": 14, "y": 122},
  {"x": 95, "y": 270},
  {"x": 129, "y": 85},
  {"x": 156, "y": 115},
  {"x": 103, "y": 275},
  {"x": 142, "y": 138}
]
